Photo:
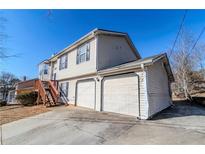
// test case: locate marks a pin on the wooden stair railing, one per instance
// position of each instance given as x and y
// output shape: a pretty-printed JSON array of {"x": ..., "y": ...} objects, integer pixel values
[
  {"x": 47, "y": 92},
  {"x": 41, "y": 92},
  {"x": 54, "y": 91}
]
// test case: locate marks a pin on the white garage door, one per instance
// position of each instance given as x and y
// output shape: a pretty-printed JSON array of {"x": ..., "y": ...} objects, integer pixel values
[
  {"x": 86, "y": 94},
  {"x": 120, "y": 94}
]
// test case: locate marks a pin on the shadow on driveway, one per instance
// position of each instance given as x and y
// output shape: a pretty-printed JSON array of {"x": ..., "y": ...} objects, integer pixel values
[{"x": 181, "y": 108}]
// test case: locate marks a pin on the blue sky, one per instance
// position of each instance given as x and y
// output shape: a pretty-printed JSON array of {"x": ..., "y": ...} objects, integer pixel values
[{"x": 35, "y": 36}]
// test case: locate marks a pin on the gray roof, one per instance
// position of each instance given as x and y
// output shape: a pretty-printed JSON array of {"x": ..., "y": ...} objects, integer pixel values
[
  {"x": 146, "y": 61},
  {"x": 138, "y": 62}
]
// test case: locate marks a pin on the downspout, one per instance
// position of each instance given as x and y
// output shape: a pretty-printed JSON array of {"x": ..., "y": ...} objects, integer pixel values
[{"x": 101, "y": 93}]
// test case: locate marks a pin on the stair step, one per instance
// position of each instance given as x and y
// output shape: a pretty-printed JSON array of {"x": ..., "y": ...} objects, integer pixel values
[{"x": 50, "y": 99}]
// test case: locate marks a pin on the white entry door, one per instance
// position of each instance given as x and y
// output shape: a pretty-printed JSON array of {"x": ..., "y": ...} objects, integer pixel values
[
  {"x": 86, "y": 94},
  {"x": 120, "y": 94}
]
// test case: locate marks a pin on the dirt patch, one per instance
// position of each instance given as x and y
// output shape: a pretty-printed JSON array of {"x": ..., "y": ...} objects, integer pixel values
[{"x": 16, "y": 112}]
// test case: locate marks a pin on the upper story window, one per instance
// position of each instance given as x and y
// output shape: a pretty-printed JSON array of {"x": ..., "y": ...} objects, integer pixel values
[
  {"x": 45, "y": 69},
  {"x": 83, "y": 53},
  {"x": 63, "y": 62}
]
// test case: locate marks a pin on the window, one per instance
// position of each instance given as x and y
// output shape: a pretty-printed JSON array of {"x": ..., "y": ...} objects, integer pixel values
[
  {"x": 64, "y": 89},
  {"x": 63, "y": 62},
  {"x": 83, "y": 53},
  {"x": 44, "y": 69}
]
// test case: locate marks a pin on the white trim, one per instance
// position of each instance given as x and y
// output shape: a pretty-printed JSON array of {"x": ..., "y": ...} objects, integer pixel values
[
  {"x": 146, "y": 114},
  {"x": 98, "y": 96}
]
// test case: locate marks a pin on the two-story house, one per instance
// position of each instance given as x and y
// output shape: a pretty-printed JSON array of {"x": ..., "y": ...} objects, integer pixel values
[{"x": 104, "y": 71}]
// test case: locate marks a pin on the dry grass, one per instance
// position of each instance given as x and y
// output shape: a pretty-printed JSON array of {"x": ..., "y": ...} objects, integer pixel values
[
  {"x": 16, "y": 112},
  {"x": 200, "y": 95}
]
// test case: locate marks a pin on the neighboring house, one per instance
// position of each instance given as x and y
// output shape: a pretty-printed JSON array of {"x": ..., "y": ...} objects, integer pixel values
[
  {"x": 104, "y": 71},
  {"x": 5, "y": 93},
  {"x": 1, "y": 94},
  {"x": 2, "y": 97},
  {"x": 11, "y": 97}
]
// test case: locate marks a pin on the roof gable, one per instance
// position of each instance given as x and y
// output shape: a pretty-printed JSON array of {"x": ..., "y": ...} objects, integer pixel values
[{"x": 91, "y": 35}]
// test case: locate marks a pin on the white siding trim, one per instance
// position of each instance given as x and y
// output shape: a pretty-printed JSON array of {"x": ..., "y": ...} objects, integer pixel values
[
  {"x": 145, "y": 114},
  {"x": 98, "y": 95}
]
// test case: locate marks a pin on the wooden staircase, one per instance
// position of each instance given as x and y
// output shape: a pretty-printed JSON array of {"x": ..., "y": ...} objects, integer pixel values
[{"x": 47, "y": 93}]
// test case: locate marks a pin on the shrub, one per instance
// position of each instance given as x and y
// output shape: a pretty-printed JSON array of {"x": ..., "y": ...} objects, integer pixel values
[
  {"x": 27, "y": 99},
  {"x": 2, "y": 103},
  {"x": 199, "y": 100}
]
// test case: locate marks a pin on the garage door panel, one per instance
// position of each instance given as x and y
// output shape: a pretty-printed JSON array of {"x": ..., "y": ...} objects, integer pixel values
[
  {"x": 120, "y": 94},
  {"x": 86, "y": 94}
]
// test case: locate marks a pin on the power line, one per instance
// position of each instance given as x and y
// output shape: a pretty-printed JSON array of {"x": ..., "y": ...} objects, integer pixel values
[
  {"x": 201, "y": 33},
  {"x": 180, "y": 27}
]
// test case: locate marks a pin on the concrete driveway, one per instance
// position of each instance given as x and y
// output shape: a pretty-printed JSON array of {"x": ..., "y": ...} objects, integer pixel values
[{"x": 181, "y": 124}]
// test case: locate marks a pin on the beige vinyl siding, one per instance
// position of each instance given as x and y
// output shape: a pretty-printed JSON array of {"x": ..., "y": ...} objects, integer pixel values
[
  {"x": 143, "y": 95},
  {"x": 54, "y": 70},
  {"x": 74, "y": 69},
  {"x": 158, "y": 88},
  {"x": 113, "y": 51},
  {"x": 71, "y": 90}
]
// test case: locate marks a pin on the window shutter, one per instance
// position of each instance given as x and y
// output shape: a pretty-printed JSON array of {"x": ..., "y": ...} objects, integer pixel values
[
  {"x": 66, "y": 61},
  {"x": 87, "y": 52},
  {"x": 77, "y": 57},
  {"x": 67, "y": 85},
  {"x": 60, "y": 89}
]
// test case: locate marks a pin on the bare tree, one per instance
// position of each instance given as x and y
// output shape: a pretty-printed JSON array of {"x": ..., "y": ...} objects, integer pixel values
[
  {"x": 186, "y": 63},
  {"x": 7, "y": 82},
  {"x": 3, "y": 38},
  {"x": 200, "y": 57}
]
